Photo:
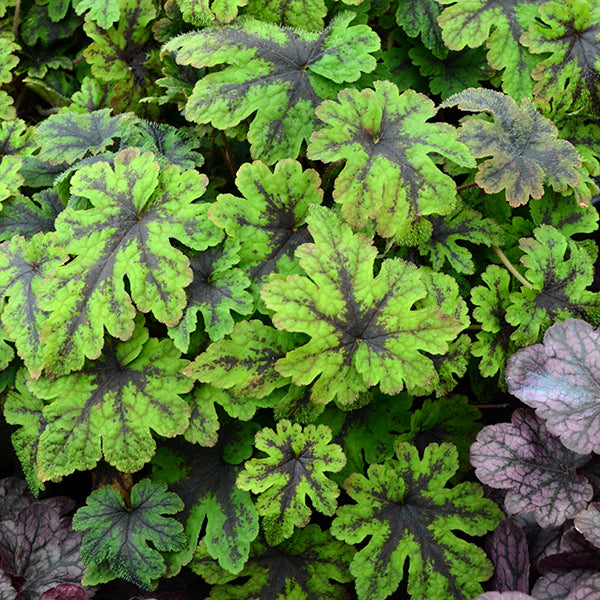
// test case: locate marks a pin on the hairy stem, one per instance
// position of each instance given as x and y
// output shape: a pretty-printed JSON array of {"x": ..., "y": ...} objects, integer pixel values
[
  {"x": 511, "y": 267},
  {"x": 465, "y": 186}
]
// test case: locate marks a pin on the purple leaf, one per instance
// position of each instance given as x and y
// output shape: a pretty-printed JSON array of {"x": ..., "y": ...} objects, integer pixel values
[
  {"x": 588, "y": 590},
  {"x": 509, "y": 554},
  {"x": 40, "y": 551},
  {"x": 65, "y": 591},
  {"x": 559, "y": 586},
  {"x": 504, "y": 596},
  {"x": 14, "y": 495},
  {"x": 539, "y": 473},
  {"x": 587, "y": 522},
  {"x": 557, "y": 379}
]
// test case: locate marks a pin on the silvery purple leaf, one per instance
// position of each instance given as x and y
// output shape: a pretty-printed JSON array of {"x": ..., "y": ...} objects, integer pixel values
[
  {"x": 539, "y": 473},
  {"x": 509, "y": 554},
  {"x": 559, "y": 586},
  {"x": 589, "y": 590},
  {"x": 14, "y": 495},
  {"x": 65, "y": 591},
  {"x": 588, "y": 523},
  {"x": 560, "y": 378},
  {"x": 504, "y": 596}
]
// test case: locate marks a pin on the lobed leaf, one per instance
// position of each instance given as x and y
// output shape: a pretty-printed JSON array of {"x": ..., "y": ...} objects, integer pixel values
[
  {"x": 386, "y": 141},
  {"x": 119, "y": 536},
  {"x": 365, "y": 330},
  {"x": 523, "y": 144},
  {"x": 104, "y": 12},
  {"x": 420, "y": 17},
  {"x": 24, "y": 216},
  {"x": 278, "y": 73},
  {"x": 205, "y": 12}
]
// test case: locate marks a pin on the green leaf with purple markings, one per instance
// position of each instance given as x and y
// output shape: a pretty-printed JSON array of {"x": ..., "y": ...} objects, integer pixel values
[
  {"x": 206, "y": 12},
  {"x": 281, "y": 74},
  {"x": 558, "y": 379},
  {"x": 308, "y": 565},
  {"x": 539, "y": 473},
  {"x": 103, "y": 12},
  {"x": 420, "y": 17},
  {"x": 24, "y": 265},
  {"x": 389, "y": 176},
  {"x": 567, "y": 80},
  {"x": 108, "y": 409},
  {"x": 409, "y": 514},
  {"x": 295, "y": 465},
  {"x": 269, "y": 220},
  {"x": 500, "y": 26},
  {"x": 365, "y": 329},
  {"x": 524, "y": 146},
  {"x": 129, "y": 539},
  {"x": 136, "y": 213}
]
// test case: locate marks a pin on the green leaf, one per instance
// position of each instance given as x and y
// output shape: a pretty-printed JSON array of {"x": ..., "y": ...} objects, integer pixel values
[
  {"x": 523, "y": 144},
  {"x": 24, "y": 265},
  {"x": 120, "y": 535},
  {"x": 463, "y": 224},
  {"x": 246, "y": 362},
  {"x": 204, "y": 12},
  {"x": 365, "y": 330},
  {"x": 36, "y": 25},
  {"x": 494, "y": 344},
  {"x": 420, "y": 17},
  {"x": 206, "y": 484},
  {"x": 218, "y": 289},
  {"x": 103, "y": 12},
  {"x": 470, "y": 23},
  {"x": 10, "y": 178},
  {"x": 7, "y": 62},
  {"x": 559, "y": 272},
  {"x": 302, "y": 567},
  {"x": 295, "y": 465},
  {"x": 136, "y": 213},
  {"x": 567, "y": 80},
  {"x": 385, "y": 140},
  {"x": 564, "y": 214},
  {"x": 27, "y": 216},
  {"x": 269, "y": 220},
  {"x": 69, "y": 136},
  {"x": 23, "y": 408},
  {"x": 277, "y": 72},
  {"x": 405, "y": 508},
  {"x": 304, "y": 14},
  {"x": 109, "y": 408}
]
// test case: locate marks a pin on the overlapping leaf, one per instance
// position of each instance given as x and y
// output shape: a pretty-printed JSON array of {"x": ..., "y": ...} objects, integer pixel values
[
  {"x": 104, "y": 12},
  {"x": 205, "y": 481},
  {"x": 277, "y": 72},
  {"x": 567, "y": 80},
  {"x": 558, "y": 379},
  {"x": 386, "y": 141},
  {"x": 304, "y": 14},
  {"x": 464, "y": 224},
  {"x": 10, "y": 178},
  {"x": 500, "y": 24},
  {"x": 26, "y": 216},
  {"x": 565, "y": 214},
  {"x": 136, "y": 212},
  {"x": 420, "y": 17},
  {"x": 24, "y": 265},
  {"x": 8, "y": 60},
  {"x": 539, "y": 473},
  {"x": 269, "y": 219},
  {"x": 509, "y": 553},
  {"x": 204, "y": 12},
  {"x": 119, "y": 536},
  {"x": 306, "y": 566},
  {"x": 406, "y": 510},
  {"x": 294, "y": 468},
  {"x": 559, "y": 272},
  {"x": 108, "y": 409},
  {"x": 365, "y": 330},
  {"x": 526, "y": 153}
]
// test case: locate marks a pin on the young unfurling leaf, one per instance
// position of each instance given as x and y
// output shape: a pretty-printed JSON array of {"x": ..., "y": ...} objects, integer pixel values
[
  {"x": 294, "y": 468},
  {"x": 386, "y": 141},
  {"x": 119, "y": 536},
  {"x": 365, "y": 330},
  {"x": 276, "y": 72},
  {"x": 523, "y": 144},
  {"x": 405, "y": 508}
]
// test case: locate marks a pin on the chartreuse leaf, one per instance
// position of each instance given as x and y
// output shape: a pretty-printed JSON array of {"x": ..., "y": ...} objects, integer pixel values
[
  {"x": 494, "y": 343},
  {"x": 470, "y": 23},
  {"x": 269, "y": 220},
  {"x": 565, "y": 214},
  {"x": 69, "y": 136},
  {"x": 7, "y": 62},
  {"x": 405, "y": 508},
  {"x": 22, "y": 408},
  {"x": 420, "y": 17},
  {"x": 205, "y": 481},
  {"x": 120, "y": 536},
  {"x": 464, "y": 224},
  {"x": 276, "y": 72},
  {"x": 559, "y": 272},
  {"x": 559, "y": 380},
  {"x": 303, "y": 567},
  {"x": 136, "y": 212},
  {"x": 10, "y": 178},
  {"x": 108, "y": 409},
  {"x": 245, "y": 363},
  {"x": 526, "y": 153},
  {"x": 24, "y": 265},
  {"x": 385, "y": 140},
  {"x": 297, "y": 458},
  {"x": 204, "y": 12},
  {"x": 104, "y": 12},
  {"x": 567, "y": 80},
  {"x": 539, "y": 473},
  {"x": 365, "y": 330}
]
